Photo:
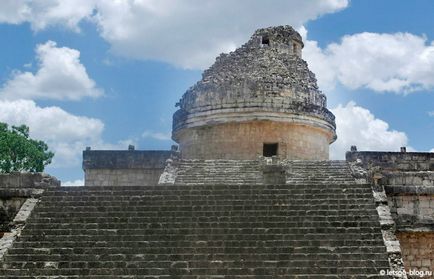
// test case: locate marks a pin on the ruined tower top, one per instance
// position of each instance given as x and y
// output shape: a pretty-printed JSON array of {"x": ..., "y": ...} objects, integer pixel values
[
  {"x": 265, "y": 79},
  {"x": 283, "y": 37},
  {"x": 269, "y": 65}
]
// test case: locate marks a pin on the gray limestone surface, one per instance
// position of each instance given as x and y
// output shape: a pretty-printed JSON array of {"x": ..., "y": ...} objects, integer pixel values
[{"x": 269, "y": 76}]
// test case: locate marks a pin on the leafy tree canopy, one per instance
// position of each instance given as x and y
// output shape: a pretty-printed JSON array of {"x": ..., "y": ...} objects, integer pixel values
[{"x": 18, "y": 152}]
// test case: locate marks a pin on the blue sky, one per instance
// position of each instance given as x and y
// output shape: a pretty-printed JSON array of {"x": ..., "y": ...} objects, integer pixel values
[{"x": 107, "y": 74}]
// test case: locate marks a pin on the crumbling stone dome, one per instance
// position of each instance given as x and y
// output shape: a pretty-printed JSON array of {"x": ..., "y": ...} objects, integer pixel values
[{"x": 261, "y": 94}]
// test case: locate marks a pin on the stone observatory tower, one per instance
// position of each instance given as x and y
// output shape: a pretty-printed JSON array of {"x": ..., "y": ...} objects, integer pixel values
[{"x": 260, "y": 99}]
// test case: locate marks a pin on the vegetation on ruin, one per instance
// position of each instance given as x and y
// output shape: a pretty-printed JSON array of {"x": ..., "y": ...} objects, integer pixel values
[{"x": 19, "y": 152}]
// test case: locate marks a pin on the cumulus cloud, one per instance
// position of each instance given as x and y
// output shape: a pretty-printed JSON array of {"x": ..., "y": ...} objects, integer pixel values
[
  {"x": 157, "y": 135},
  {"x": 399, "y": 62},
  {"x": 358, "y": 126},
  {"x": 190, "y": 34},
  {"x": 66, "y": 134},
  {"x": 14, "y": 11},
  {"x": 60, "y": 76},
  {"x": 186, "y": 33},
  {"x": 43, "y": 13}
]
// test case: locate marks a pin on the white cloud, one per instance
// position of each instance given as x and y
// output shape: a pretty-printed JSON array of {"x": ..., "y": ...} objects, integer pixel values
[
  {"x": 186, "y": 33},
  {"x": 191, "y": 34},
  {"x": 431, "y": 113},
  {"x": 358, "y": 126},
  {"x": 60, "y": 75},
  {"x": 432, "y": 150},
  {"x": 66, "y": 134},
  {"x": 43, "y": 13},
  {"x": 77, "y": 182},
  {"x": 157, "y": 135},
  {"x": 14, "y": 11},
  {"x": 399, "y": 62}
]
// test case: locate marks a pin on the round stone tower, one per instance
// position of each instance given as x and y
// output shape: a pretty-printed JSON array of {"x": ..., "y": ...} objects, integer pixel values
[{"x": 260, "y": 99}]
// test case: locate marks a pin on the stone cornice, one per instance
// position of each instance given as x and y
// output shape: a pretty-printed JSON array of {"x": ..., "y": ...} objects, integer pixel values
[{"x": 322, "y": 118}]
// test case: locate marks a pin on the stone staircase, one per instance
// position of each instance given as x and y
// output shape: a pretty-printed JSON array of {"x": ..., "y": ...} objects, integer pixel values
[
  {"x": 201, "y": 232},
  {"x": 317, "y": 172},
  {"x": 198, "y": 172},
  {"x": 301, "y": 230},
  {"x": 251, "y": 172}
]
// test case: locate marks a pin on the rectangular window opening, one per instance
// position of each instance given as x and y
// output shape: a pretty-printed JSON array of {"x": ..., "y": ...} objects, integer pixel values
[
  {"x": 265, "y": 41},
  {"x": 270, "y": 149}
]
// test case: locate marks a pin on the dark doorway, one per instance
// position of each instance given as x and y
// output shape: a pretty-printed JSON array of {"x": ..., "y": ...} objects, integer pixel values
[{"x": 270, "y": 149}]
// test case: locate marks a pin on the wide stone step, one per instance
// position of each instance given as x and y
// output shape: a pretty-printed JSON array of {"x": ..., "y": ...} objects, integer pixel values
[
  {"x": 195, "y": 195},
  {"x": 317, "y": 245},
  {"x": 26, "y": 261},
  {"x": 290, "y": 203},
  {"x": 301, "y": 276},
  {"x": 272, "y": 265},
  {"x": 126, "y": 189},
  {"x": 206, "y": 233},
  {"x": 222, "y": 226},
  {"x": 194, "y": 253},
  {"x": 198, "y": 213},
  {"x": 197, "y": 273},
  {"x": 144, "y": 222},
  {"x": 282, "y": 205},
  {"x": 57, "y": 246},
  {"x": 223, "y": 196},
  {"x": 337, "y": 198}
]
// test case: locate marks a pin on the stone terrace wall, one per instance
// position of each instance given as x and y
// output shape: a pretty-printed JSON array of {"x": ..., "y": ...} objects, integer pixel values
[
  {"x": 123, "y": 168},
  {"x": 19, "y": 194},
  {"x": 16, "y": 187},
  {"x": 17, "y": 180},
  {"x": 394, "y": 161},
  {"x": 408, "y": 180}
]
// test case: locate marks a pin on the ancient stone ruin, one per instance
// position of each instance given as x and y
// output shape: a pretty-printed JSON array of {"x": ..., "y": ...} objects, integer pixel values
[
  {"x": 249, "y": 192},
  {"x": 260, "y": 99}
]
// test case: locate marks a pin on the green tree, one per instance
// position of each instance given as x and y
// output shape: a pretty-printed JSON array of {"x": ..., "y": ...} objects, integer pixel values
[{"x": 18, "y": 152}]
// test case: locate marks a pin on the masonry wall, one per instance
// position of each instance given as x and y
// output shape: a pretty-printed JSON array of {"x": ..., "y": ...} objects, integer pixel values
[
  {"x": 245, "y": 141},
  {"x": 394, "y": 161},
  {"x": 18, "y": 180},
  {"x": 417, "y": 250},
  {"x": 16, "y": 188},
  {"x": 408, "y": 180},
  {"x": 123, "y": 168},
  {"x": 9, "y": 207},
  {"x": 412, "y": 212},
  {"x": 122, "y": 177}
]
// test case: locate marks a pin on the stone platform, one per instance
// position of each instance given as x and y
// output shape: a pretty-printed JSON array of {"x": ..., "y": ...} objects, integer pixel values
[{"x": 201, "y": 231}]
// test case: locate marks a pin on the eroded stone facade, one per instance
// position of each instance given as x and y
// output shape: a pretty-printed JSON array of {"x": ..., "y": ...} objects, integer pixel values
[
  {"x": 408, "y": 181},
  {"x": 264, "y": 82}
]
